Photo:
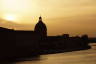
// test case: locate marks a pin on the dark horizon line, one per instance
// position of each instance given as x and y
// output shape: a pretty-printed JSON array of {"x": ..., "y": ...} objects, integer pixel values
[{"x": 33, "y": 31}]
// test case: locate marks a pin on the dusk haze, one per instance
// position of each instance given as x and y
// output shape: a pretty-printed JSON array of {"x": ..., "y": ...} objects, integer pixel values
[
  {"x": 47, "y": 31},
  {"x": 74, "y": 17}
]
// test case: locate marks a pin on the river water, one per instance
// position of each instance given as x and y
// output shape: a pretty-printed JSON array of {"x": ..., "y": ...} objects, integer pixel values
[{"x": 76, "y": 57}]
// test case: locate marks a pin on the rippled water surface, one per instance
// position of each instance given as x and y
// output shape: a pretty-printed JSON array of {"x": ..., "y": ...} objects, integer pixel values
[{"x": 77, "y": 57}]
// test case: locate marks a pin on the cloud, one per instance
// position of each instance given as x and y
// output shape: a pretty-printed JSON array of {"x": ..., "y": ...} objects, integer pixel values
[{"x": 11, "y": 25}]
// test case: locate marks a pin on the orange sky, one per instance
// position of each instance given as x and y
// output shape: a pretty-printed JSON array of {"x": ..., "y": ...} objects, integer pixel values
[{"x": 61, "y": 16}]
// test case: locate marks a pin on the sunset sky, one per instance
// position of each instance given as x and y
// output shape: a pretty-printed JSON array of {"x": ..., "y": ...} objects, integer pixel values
[{"x": 75, "y": 17}]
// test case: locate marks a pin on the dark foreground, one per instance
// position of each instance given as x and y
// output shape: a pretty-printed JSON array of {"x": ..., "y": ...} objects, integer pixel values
[
  {"x": 29, "y": 57},
  {"x": 75, "y": 57},
  {"x": 24, "y": 44}
]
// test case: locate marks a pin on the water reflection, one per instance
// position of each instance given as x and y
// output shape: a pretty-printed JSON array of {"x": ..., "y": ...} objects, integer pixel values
[{"x": 77, "y": 57}]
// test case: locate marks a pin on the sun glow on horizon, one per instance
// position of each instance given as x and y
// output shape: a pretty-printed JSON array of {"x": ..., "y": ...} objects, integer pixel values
[
  {"x": 19, "y": 11},
  {"x": 10, "y": 17}
]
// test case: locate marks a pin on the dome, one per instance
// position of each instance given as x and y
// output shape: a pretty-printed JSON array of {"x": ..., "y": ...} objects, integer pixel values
[{"x": 41, "y": 28}]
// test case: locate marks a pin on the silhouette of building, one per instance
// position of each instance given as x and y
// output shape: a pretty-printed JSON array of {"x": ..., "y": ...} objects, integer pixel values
[
  {"x": 17, "y": 43},
  {"x": 41, "y": 28}
]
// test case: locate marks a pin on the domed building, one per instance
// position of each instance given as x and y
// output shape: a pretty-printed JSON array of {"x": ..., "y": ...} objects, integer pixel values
[{"x": 41, "y": 28}]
